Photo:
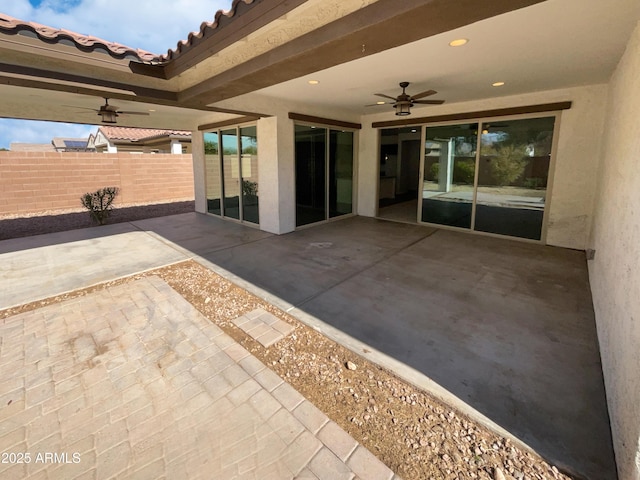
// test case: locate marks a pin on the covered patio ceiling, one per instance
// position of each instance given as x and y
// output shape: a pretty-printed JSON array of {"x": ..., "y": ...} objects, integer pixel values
[{"x": 263, "y": 52}]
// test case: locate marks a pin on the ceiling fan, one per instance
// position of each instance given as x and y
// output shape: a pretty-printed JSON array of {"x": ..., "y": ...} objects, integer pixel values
[
  {"x": 109, "y": 113},
  {"x": 403, "y": 102}
]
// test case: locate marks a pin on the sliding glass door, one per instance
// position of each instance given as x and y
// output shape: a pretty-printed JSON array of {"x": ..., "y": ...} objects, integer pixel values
[
  {"x": 488, "y": 176},
  {"x": 515, "y": 157},
  {"x": 231, "y": 166},
  {"x": 324, "y": 173},
  {"x": 448, "y": 174}
]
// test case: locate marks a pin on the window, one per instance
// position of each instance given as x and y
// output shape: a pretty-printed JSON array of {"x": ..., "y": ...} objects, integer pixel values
[{"x": 231, "y": 167}]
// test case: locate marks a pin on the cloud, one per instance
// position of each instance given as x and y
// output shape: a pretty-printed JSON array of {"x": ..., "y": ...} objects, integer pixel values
[{"x": 147, "y": 24}]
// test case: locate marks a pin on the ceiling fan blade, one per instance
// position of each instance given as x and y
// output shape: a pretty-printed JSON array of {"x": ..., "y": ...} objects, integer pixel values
[
  {"x": 133, "y": 113},
  {"x": 430, "y": 102},
  {"x": 423, "y": 94},
  {"x": 81, "y": 108},
  {"x": 377, "y": 104},
  {"x": 385, "y": 96}
]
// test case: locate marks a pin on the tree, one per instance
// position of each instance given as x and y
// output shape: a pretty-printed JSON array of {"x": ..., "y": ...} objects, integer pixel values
[{"x": 507, "y": 162}]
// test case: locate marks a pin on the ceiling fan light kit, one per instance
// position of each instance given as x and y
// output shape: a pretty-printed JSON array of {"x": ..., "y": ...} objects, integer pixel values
[
  {"x": 403, "y": 108},
  {"x": 403, "y": 102},
  {"x": 109, "y": 113}
]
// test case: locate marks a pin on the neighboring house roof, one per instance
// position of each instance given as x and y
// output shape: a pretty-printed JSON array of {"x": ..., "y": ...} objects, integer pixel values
[
  {"x": 70, "y": 144},
  {"x": 12, "y": 25},
  {"x": 31, "y": 147},
  {"x": 140, "y": 134}
]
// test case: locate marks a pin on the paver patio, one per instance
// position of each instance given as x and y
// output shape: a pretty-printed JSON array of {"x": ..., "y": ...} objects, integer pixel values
[{"x": 133, "y": 382}]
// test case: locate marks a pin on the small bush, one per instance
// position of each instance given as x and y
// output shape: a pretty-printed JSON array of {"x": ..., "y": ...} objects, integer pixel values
[
  {"x": 507, "y": 163},
  {"x": 249, "y": 188},
  {"x": 434, "y": 171},
  {"x": 534, "y": 183},
  {"x": 99, "y": 203},
  {"x": 464, "y": 172}
]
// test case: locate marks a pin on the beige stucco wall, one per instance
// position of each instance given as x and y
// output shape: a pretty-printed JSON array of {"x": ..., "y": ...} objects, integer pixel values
[
  {"x": 574, "y": 181},
  {"x": 34, "y": 182},
  {"x": 615, "y": 271}
]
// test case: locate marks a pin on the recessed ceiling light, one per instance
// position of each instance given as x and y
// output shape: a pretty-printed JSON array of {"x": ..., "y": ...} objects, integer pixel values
[
  {"x": 313, "y": 82},
  {"x": 413, "y": 130},
  {"x": 497, "y": 84},
  {"x": 152, "y": 110},
  {"x": 380, "y": 103},
  {"x": 458, "y": 42}
]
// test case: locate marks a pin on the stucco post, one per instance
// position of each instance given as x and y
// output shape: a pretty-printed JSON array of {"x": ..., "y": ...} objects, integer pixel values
[
  {"x": 199, "y": 174},
  {"x": 276, "y": 177},
  {"x": 176, "y": 147},
  {"x": 367, "y": 171}
]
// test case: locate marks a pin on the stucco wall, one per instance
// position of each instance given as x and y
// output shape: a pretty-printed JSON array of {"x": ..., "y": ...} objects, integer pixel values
[
  {"x": 32, "y": 182},
  {"x": 615, "y": 271},
  {"x": 199, "y": 181},
  {"x": 575, "y": 178}
]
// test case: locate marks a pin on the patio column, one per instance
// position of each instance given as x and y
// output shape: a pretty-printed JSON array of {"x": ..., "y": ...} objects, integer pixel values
[
  {"x": 176, "y": 147},
  {"x": 199, "y": 174},
  {"x": 276, "y": 174},
  {"x": 367, "y": 169}
]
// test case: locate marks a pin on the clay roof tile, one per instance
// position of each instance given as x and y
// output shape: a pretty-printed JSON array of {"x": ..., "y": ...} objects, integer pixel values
[{"x": 14, "y": 26}]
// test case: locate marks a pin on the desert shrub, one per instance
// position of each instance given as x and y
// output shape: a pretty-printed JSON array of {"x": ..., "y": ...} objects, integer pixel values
[
  {"x": 434, "y": 171},
  {"x": 249, "y": 188},
  {"x": 464, "y": 172},
  {"x": 507, "y": 162},
  {"x": 534, "y": 182},
  {"x": 99, "y": 203}
]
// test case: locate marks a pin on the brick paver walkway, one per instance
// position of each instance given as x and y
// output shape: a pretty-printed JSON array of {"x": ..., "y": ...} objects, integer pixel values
[
  {"x": 133, "y": 382},
  {"x": 263, "y": 326}
]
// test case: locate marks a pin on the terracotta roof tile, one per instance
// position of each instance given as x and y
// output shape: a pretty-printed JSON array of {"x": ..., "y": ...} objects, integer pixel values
[
  {"x": 205, "y": 30},
  {"x": 13, "y": 26},
  {"x": 138, "y": 134}
]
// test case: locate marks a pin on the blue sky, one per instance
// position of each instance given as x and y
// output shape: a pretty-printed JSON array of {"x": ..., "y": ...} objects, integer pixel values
[{"x": 153, "y": 25}]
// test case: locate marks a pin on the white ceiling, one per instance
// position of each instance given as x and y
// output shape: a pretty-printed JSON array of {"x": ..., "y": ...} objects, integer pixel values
[{"x": 551, "y": 45}]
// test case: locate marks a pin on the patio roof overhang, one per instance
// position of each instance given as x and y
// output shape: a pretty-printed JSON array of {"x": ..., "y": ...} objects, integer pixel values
[{"x": 57, "y": 75}]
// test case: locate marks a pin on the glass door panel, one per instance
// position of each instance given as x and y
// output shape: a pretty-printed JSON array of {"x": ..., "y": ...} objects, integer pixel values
[
  {"x": 212, "y": 172},
  {"x": 310, "y": 158},
  {"x": 231, "y": 173},
  {"x": 512, "y": 177},
  {"x": 449, "y": 172},
  {"x": 340, "y": 173},
  {"x": 249, "y": 159}
]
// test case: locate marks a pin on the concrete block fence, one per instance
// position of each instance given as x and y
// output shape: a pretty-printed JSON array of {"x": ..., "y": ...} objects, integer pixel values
[{"x": 32, "y": 182}]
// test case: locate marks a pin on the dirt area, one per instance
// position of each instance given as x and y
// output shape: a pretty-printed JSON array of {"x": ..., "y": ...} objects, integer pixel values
[
  {"x": 25, "y": 225},
  {"x": 417, "y": 436}
]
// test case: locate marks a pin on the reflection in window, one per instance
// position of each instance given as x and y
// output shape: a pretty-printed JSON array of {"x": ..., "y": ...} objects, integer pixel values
[
  {"x": 230, "y": 173},
  {"x": 449, "y": 172},
  {"x": 212, "y": 172},
  {"x": 512, "y": 177},
  {"x": 232, "y": 179},
  {"x": 340, "y": 173},
  {"x": 310, "y": 174},
  {"x": 249, "y": 164}
]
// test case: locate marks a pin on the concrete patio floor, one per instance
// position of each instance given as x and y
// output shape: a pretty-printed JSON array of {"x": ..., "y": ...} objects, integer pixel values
[{"x": 502, "y": 329}]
